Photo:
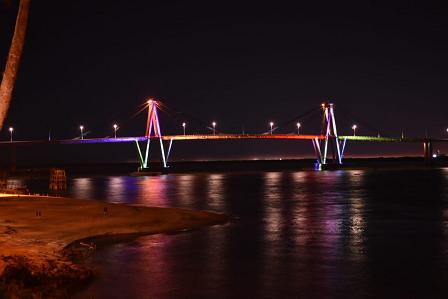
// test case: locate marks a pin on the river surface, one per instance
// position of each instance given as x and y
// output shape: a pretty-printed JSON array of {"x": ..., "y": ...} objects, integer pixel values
[{"x": 305, "y": 234}]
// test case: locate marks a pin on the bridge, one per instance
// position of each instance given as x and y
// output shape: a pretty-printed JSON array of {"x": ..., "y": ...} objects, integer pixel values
[{"x": 329, "y": 147}]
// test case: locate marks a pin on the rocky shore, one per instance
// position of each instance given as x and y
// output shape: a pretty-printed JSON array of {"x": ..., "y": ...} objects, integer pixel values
[{"x": 43, "y": 240}]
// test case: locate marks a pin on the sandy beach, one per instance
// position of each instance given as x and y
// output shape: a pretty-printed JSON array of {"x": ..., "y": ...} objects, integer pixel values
[{"x": 43, "y": 239}]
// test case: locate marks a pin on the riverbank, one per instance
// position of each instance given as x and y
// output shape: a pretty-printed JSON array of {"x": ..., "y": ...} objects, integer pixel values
[{"x": 43, "y": 238}]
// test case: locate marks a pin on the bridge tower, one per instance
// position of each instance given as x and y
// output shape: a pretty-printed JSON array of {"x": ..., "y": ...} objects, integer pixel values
[
  {"x": 152, "y": 132},
  {"x": 330, "y": 142}
]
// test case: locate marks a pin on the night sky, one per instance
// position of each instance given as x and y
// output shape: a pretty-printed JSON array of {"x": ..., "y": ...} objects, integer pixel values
[{"x": 95, "y": 62}]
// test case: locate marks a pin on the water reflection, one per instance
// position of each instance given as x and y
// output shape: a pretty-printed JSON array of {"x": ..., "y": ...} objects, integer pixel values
[
  {"x": 82, "y": 188},
  {"x": 357, "y": 222},
  {"x": 272, "y": 200},
  {"x": 298, "y": 234},
  {"x": 184, "y": 185},
  {"x": 152, "y": 190},
  {"x": 156, "y": 255},
  {"x": 215, "y": 192},
  {"x": 116, "y": 189}
]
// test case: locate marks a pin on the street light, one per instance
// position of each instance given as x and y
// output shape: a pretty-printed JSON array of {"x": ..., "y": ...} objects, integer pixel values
[
  {"x": 298, "y": 128},
  {"x": 214, "y": 126},
  {"x": 11, "y": 129},
  {"x": 115, "y": 130},
  {"x": 183, "y": 126},
  {"x": 271, "y": 124},
  {"x": 354, "y": 129},
  {"x": 81, "y": 128}
]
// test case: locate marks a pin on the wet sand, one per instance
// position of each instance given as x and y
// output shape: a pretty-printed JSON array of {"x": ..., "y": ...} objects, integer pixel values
[{"x": 41, "y": 238}]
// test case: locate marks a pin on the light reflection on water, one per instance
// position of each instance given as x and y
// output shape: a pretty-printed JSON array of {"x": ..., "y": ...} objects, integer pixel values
[
  {"x": 351, "y": 233},
  {"x": 215, "y": 198},
  {"x": 151, "y": 191},
  {"x": 272, "y": 204},
  {"x": 357, "y": 223},
  {"x": 185, "y": 184},
  {"x": 82, "y": 188}
]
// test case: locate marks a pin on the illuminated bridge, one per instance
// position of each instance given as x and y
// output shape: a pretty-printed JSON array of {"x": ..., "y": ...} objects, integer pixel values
[{"x": 328, "y": 146}]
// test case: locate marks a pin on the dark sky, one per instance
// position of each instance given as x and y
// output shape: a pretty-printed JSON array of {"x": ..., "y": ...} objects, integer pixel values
[{"x": 94, "y": 62}]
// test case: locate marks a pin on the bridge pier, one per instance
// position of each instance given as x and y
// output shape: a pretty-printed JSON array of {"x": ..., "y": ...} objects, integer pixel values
[{"x": 427, "y": 150}]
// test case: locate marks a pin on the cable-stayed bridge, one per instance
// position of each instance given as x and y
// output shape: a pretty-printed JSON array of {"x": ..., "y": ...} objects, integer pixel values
[{"x": 329, "y": 147}]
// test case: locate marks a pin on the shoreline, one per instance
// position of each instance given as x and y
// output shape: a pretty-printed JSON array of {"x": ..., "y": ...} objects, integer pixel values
[
  {"x": 44, "y": 240},
  {"x": 180, "y": 167}
]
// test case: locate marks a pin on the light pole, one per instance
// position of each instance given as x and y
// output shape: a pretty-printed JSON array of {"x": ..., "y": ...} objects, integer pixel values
[
  {"x": 183, "y": 126},
  {"x": 214, "y": 127},
  {"x": 271, "y": 124},
  {"x": 11, "y": 129},
  {"x": 298, "y": 128},
  {"x": 81, "y": 128},
  {"x": 354, "y": 129},
  {"x": 115, "y": 130}
]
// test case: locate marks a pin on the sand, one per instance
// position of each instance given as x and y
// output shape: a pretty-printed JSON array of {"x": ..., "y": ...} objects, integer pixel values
[{"x": 42, "y": 238}]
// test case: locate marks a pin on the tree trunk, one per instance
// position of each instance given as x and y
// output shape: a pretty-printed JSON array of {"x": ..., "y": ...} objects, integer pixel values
[{"x": 13, "y": 61}]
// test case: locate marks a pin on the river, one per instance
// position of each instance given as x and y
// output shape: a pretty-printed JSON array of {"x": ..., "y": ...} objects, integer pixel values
[{"x": 345, "y": 233}]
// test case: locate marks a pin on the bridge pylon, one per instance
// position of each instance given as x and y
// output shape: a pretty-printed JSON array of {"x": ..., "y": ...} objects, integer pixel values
[
  {"x": 331, "y": 141},
  {"x": 152, "y": 132}
]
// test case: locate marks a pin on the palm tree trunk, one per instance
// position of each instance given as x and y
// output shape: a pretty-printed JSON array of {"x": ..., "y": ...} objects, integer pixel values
[{"x": 12, "y": 64}]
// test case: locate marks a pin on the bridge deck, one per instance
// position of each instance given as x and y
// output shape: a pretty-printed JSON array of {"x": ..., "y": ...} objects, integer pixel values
[
  {"x": 393, "y": 139},
  {"x": 168, "y": 137},
  {"x": 224, "y": 137},
  {"x": 243, "y": 136}
]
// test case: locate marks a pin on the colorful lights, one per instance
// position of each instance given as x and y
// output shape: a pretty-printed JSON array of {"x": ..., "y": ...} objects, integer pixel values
[{"x": 152, "y": 122}]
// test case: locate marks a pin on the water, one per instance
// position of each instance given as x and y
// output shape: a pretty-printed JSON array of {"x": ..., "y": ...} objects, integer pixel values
[{"x": 348, "y": 233}]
